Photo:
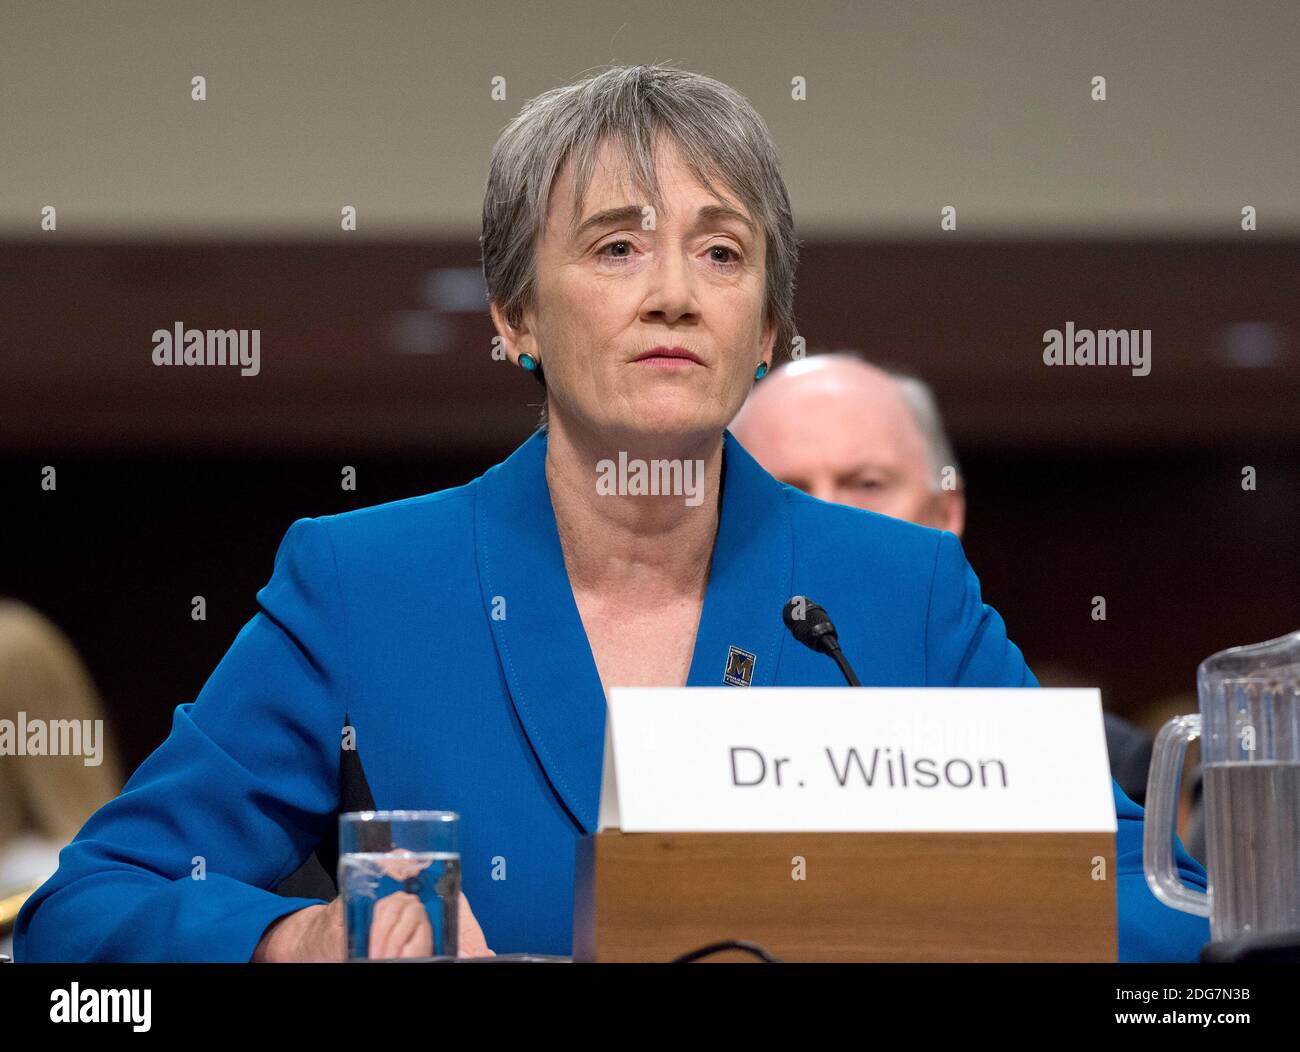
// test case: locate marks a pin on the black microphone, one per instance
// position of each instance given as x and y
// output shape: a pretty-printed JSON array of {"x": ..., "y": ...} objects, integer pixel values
[{"x": 811, "y": 625}]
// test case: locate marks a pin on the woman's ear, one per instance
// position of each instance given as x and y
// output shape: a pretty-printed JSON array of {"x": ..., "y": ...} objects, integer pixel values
[{"x": 515, "y": 341}]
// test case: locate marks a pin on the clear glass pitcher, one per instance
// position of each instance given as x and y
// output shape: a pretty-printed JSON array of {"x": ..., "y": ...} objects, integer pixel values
[{"x": 1249, "y": 726}]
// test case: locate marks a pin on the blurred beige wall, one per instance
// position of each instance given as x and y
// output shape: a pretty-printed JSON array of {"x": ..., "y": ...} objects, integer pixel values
[{"x": 910, "y": 107}]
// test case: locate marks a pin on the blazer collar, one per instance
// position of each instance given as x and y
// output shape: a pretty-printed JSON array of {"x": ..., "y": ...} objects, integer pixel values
[{"x": 547, "y": 661}]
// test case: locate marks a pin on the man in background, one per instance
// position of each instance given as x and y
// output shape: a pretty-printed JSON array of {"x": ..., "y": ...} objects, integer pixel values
[{"x": 848, "y": 432}]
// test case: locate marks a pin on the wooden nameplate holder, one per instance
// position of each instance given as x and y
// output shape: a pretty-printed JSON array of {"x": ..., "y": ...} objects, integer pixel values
[{"x": 899, "y": 897}]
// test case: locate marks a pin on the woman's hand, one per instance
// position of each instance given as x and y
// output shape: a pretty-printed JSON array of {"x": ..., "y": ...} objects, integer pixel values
[{"x": 399, "y": 928}]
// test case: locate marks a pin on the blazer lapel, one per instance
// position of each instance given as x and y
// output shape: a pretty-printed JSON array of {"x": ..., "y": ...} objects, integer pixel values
[
  {"x": 548, "y": 664},
  {"x": 549, "y": 668},
  {"x": 741, "y": 632}
]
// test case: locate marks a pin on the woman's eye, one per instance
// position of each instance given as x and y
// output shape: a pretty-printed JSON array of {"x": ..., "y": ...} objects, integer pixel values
[
  {"x": 602, "y": 250},
  {"x": 725, "y": 248}
]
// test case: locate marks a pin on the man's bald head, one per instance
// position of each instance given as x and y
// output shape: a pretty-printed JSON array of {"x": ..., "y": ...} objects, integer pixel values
[{"x": 848, "y": 432}]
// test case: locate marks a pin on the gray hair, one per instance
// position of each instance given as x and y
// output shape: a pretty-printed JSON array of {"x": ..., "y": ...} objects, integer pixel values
[
  {"x": 720, "y": 136},
  {"x": 925, "y": 411}
]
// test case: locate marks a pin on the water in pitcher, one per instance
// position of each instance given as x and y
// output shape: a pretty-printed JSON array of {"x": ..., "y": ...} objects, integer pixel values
[
  {"x": 1253, "y": 840},
  {"x": 432, "y": 876}
]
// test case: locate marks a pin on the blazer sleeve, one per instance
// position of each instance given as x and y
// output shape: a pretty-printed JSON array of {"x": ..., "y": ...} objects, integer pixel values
[
  {"x": 966, "y": 642},
  {"x": 180, "y": 865},
  {"x": 967, "y": 646}
]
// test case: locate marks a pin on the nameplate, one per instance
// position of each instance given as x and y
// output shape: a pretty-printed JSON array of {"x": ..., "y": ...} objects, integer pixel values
[{"x": 804, "y": 759}]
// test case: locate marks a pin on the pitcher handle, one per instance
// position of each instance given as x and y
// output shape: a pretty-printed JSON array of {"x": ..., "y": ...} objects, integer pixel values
[{"x": 1161, "y": 808}]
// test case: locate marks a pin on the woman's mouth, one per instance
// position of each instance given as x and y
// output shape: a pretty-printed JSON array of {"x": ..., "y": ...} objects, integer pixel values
[{"x": 671, "y": 358}]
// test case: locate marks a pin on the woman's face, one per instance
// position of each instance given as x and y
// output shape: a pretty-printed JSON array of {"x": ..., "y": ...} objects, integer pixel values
[{"x": 619, "y": 280}]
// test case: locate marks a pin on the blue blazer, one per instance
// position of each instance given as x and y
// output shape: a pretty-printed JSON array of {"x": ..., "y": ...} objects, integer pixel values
[{"x": 385, "y": 614}]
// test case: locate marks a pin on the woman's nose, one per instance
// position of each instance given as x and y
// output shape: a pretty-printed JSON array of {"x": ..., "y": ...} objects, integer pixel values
[{"x": 672, "y": 291}]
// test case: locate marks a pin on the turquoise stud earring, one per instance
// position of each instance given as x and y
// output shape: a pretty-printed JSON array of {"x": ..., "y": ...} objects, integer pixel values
[
  {"x": 527, "y": 362},
  {"x": 761, "y": 371}
]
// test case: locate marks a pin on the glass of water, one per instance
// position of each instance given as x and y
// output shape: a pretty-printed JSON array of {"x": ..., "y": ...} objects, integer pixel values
[{"x": 399, "y": 875}]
